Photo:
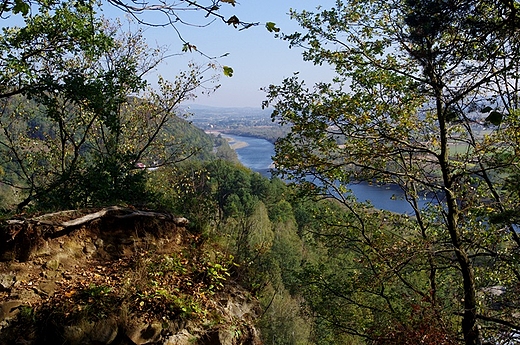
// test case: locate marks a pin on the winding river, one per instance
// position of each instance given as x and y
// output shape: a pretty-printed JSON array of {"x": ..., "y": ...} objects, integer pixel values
[{"x": 256, "y": 153}]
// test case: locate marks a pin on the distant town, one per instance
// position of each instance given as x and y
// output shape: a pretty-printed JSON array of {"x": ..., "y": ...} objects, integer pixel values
[{"x": 253, "y": 122}]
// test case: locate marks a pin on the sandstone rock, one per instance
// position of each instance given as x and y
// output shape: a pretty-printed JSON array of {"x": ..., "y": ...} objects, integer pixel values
[
  {"x": 7, "y": 282},
  {"x": 9, "y": 309},
  {"x": 27, "y": 296},
  {"x": 62, "y": 266},
  {"x": 90, "y": 248},
  {"x": 238, "y": 308},
  {"x": 47, "y": 287},
  {"x": 52, "y": 264},
  {"x": 77, "y": 334},
  {"x": 226, "y": 337},
  {"x": 72, "y": 245},
  {"x": 69, "y": 261},
  {"x": 99, "y": 243},
  {"x": 52, "y": 275},
  {"x": 182, "y": 338},
  {"x": 144, "y": 333},
  {"x": 104, "y": 331},
  {"x": 181, "y": 221},
  {"x": 43, "y": 250}
]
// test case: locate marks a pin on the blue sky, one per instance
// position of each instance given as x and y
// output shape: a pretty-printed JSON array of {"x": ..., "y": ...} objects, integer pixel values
[{"x": 257, "y": 58}]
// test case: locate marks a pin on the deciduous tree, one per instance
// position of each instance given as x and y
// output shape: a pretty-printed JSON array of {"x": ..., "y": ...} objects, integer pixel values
[
  {"x": 426, "y": 97},
  {"x": 76, "y": 121}
]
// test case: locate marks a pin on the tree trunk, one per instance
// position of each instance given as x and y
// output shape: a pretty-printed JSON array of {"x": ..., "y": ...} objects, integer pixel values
[{"x": 470, "y": 328}]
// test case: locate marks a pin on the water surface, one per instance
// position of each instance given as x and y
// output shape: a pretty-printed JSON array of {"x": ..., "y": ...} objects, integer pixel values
[{"x": 257, "y": 155}]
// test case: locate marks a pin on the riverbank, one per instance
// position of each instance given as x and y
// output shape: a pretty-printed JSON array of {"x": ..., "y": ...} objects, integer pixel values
[
  {"x": 256, "y": 154},
  {"x": 233, "y": 143}
]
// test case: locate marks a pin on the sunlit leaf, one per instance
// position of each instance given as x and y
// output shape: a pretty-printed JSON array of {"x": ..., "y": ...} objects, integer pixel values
[
  {"x": 271, "y": 27},
  {"x": 228, "y": 71}
]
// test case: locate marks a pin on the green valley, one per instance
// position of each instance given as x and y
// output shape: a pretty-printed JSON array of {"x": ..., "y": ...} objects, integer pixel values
[{"x": 122, "y": 222}]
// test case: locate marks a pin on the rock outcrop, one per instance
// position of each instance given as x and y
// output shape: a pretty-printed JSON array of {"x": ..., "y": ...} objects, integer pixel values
[{"x": 118, "y": 276}]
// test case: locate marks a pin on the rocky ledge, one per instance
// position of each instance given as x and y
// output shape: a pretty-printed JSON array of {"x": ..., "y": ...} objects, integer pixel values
[{"x": 118, "y": 276}]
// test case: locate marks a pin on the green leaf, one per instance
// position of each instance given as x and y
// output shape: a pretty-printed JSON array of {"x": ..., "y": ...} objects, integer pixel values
[
  {"x": 21, "y": 7},
  {"x": 188, "y": 47},
  {"x": 271, "y": 27},
  {"x": 228, "y": 71},
  {"x": 495, "y": 118}
]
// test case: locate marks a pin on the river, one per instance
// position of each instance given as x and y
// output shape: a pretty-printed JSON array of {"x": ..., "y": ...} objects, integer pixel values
[{"x": 256, "y": 153}]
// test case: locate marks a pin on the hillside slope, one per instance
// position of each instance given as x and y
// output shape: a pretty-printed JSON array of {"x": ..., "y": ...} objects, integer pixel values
[{"x": 118, "y": 276}]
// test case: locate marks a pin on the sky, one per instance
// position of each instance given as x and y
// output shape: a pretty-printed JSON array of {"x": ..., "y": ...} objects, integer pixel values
[{"x": 257, "y": 58}]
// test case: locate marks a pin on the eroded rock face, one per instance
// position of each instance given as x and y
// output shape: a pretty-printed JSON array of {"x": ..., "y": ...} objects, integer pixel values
[
  {"x": 6, "y": 282},
  {"x": 118, "y": 281},
  {"x": 181, "y": 338},
  {"x": 144, "y": 333}
]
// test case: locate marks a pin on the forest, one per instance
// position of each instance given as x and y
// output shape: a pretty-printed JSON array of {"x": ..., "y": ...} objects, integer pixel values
[{"x": 416, "y": 82}]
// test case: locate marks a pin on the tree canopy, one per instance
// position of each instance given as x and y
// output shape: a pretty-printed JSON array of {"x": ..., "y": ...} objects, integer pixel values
[
  {"x": 173, "y": 14},
  {"x": 78, "y": 115},
  {"x": 425, "y": 97}
]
